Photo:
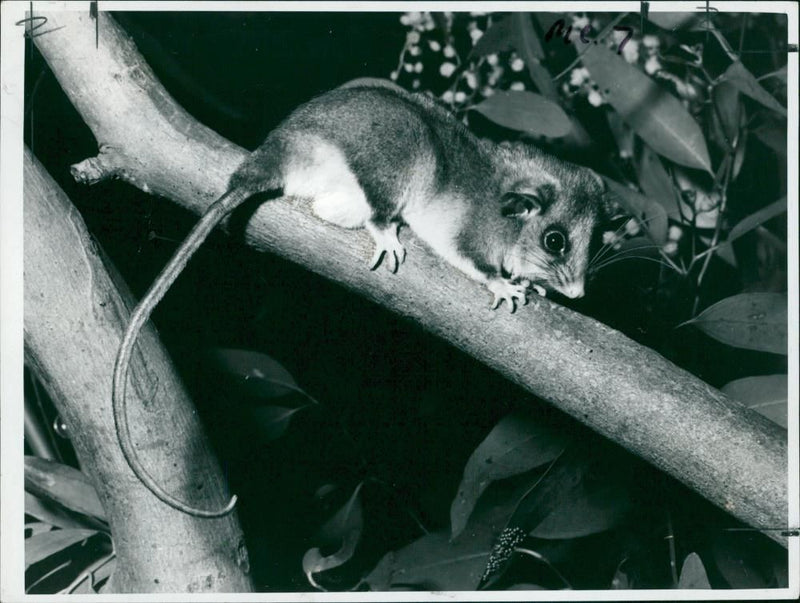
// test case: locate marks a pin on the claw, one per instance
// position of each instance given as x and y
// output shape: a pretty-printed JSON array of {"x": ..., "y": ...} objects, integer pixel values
[
  {"x": 510, "y": 292},
  {"x": 376, "y": 258},
  {"x": 387, "y": 244}
]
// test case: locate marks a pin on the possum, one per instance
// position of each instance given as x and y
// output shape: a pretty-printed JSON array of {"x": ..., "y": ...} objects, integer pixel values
[{"x": 376, "y": 157}]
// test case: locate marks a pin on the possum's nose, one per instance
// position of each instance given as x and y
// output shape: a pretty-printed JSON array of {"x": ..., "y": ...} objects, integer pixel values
[{"x": 573, "y": 290}]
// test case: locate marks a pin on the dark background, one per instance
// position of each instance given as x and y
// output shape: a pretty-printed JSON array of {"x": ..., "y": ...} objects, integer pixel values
[{"x": 402, "y": 408}]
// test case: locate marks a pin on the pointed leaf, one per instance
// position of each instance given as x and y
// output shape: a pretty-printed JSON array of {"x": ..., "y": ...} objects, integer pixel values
[
  {"x": 436, "y": 563},
  {"x": 766, "y": 394},
  {"x": 342, "y": 530},
  {"x": 757, "y": 218},
  {"x": 64, "y": 485},
  {"x": 740, "y": 77},
  {"x": 525, "y": 112},
  {"x": 693, "y": 574},
  {"x": 749, "y": 223},
  {"x": 52, "y": 514},
  {"x": 42, "y": 546},
  {"x": 261, "y": 375},
  {"x": 527, "y": 44},
  {"x": 656, "y": 182},
  {"x": 652, "y": 215},
  {"x": 525, "y": 39},
  {"x": 726, "y": 100},
  {"x": 37, "y": 527},
  {"x": 274, "y": 420},
  {"x": 587, "y": 511},
  {"x": 516, "y": 444},
  {"x": 655, "y": 115},
  {"x": 755, "y": 321},
  {"x": 773, "y": 135},
  {"x": 498, "y": 38}
]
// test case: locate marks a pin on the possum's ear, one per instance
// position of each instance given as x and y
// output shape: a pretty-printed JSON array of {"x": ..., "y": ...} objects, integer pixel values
[
  {"x": 520, "y": 205},
  {"x": 609, "y": 204}
]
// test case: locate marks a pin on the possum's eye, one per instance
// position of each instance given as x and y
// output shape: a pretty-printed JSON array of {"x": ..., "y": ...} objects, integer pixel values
[{"x": 554, "y": 241}]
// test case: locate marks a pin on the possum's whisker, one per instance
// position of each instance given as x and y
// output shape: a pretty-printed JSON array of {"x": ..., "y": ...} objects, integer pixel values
[
  {"x": 616, "y": 259},
  {"x": 604, "y": 249},
  {"x": 620, "y": 255}
]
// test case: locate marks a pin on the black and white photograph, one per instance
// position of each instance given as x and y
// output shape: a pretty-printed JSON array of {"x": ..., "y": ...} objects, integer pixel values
[{"x": 383, "y": 301}]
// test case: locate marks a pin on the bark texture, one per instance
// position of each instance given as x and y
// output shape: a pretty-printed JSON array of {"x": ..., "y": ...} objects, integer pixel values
[
  {"x": 733, "y": 457},
  {"x": 75, "y": 315}
]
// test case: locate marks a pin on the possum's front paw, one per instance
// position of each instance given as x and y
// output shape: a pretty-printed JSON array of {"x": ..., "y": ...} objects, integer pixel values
[
  {"x": 387, "y": 244},
  {"x": 504, "y": 289}
]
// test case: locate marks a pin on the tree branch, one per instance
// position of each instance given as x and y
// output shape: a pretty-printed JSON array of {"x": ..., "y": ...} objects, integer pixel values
[
  {"x": 629, "y": 393},
  {"x": 75, "y": 314}
]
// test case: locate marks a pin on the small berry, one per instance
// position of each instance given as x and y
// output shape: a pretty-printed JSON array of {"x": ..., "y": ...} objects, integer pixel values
[
  {"x": 675, "y": 233},
  {"x": 447, "y": 69},
  {"x": 517, "y": 64},
  {"x": 652, "y": 64}
]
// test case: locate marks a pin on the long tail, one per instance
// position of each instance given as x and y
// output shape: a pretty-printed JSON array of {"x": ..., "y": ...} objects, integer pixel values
[{"x": 213, "y": 216}]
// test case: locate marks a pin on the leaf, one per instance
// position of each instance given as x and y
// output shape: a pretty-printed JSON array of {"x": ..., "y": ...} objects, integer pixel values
[
  {"x": 672, "y": 21},
  {"x": 516, "y": 444},
  {"x": 756, "y": 219},
  {"x": 726, "y": 100},
  {"x": 42, "y": 546},
  {"x": 656, "y": 182},
  {"x": 498, "y": 38},
  {"x": 651, "y": 214},
  {"x": 525, "y": 112},
  {"x": 773, "y": 135},
  {"x": 52, "y": 514},
  {"x": 261, "y": 376},
  {"x": 64, "y": 485},
  {"x": 274, "y": 420},
  {"x": 526, "y": 41},
  {"x": 655, "y": 115},
  {"x": 587, "y": 511},
  {"x": 693, "y": 574},
  {"x": 740, "y": 77},
  {"x": 437, "y": 563},
  {"x": 342, "y": 530},
  {"x": 766, "y": 394},
  {"x": 515, "y": 31},
  {"x": 529, "y": 48},
  {"x": 622, "y": 134},
  {"x": 37, "y": 527},
  {"x": 94, "y": 578},
  {"x": 755, "y": 321}
]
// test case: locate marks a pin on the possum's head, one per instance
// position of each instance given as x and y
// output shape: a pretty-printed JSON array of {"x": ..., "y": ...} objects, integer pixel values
[{"x": 555, "y": 208}]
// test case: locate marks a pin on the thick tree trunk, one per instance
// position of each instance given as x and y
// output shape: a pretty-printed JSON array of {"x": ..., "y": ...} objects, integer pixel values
[
  {"x": 75, "y": 315},
  {"x": 627, "y": 392}
]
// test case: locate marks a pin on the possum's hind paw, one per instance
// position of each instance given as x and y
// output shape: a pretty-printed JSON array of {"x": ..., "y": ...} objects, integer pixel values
[
  {"x": 505, "y": 290},
  {"x": 386, "y": 244}
]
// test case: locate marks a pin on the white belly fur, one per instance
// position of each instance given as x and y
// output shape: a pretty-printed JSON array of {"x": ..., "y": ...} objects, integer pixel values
[
  {"x": 438, "y": 223},
  {"x": 320, "y": 172}
]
